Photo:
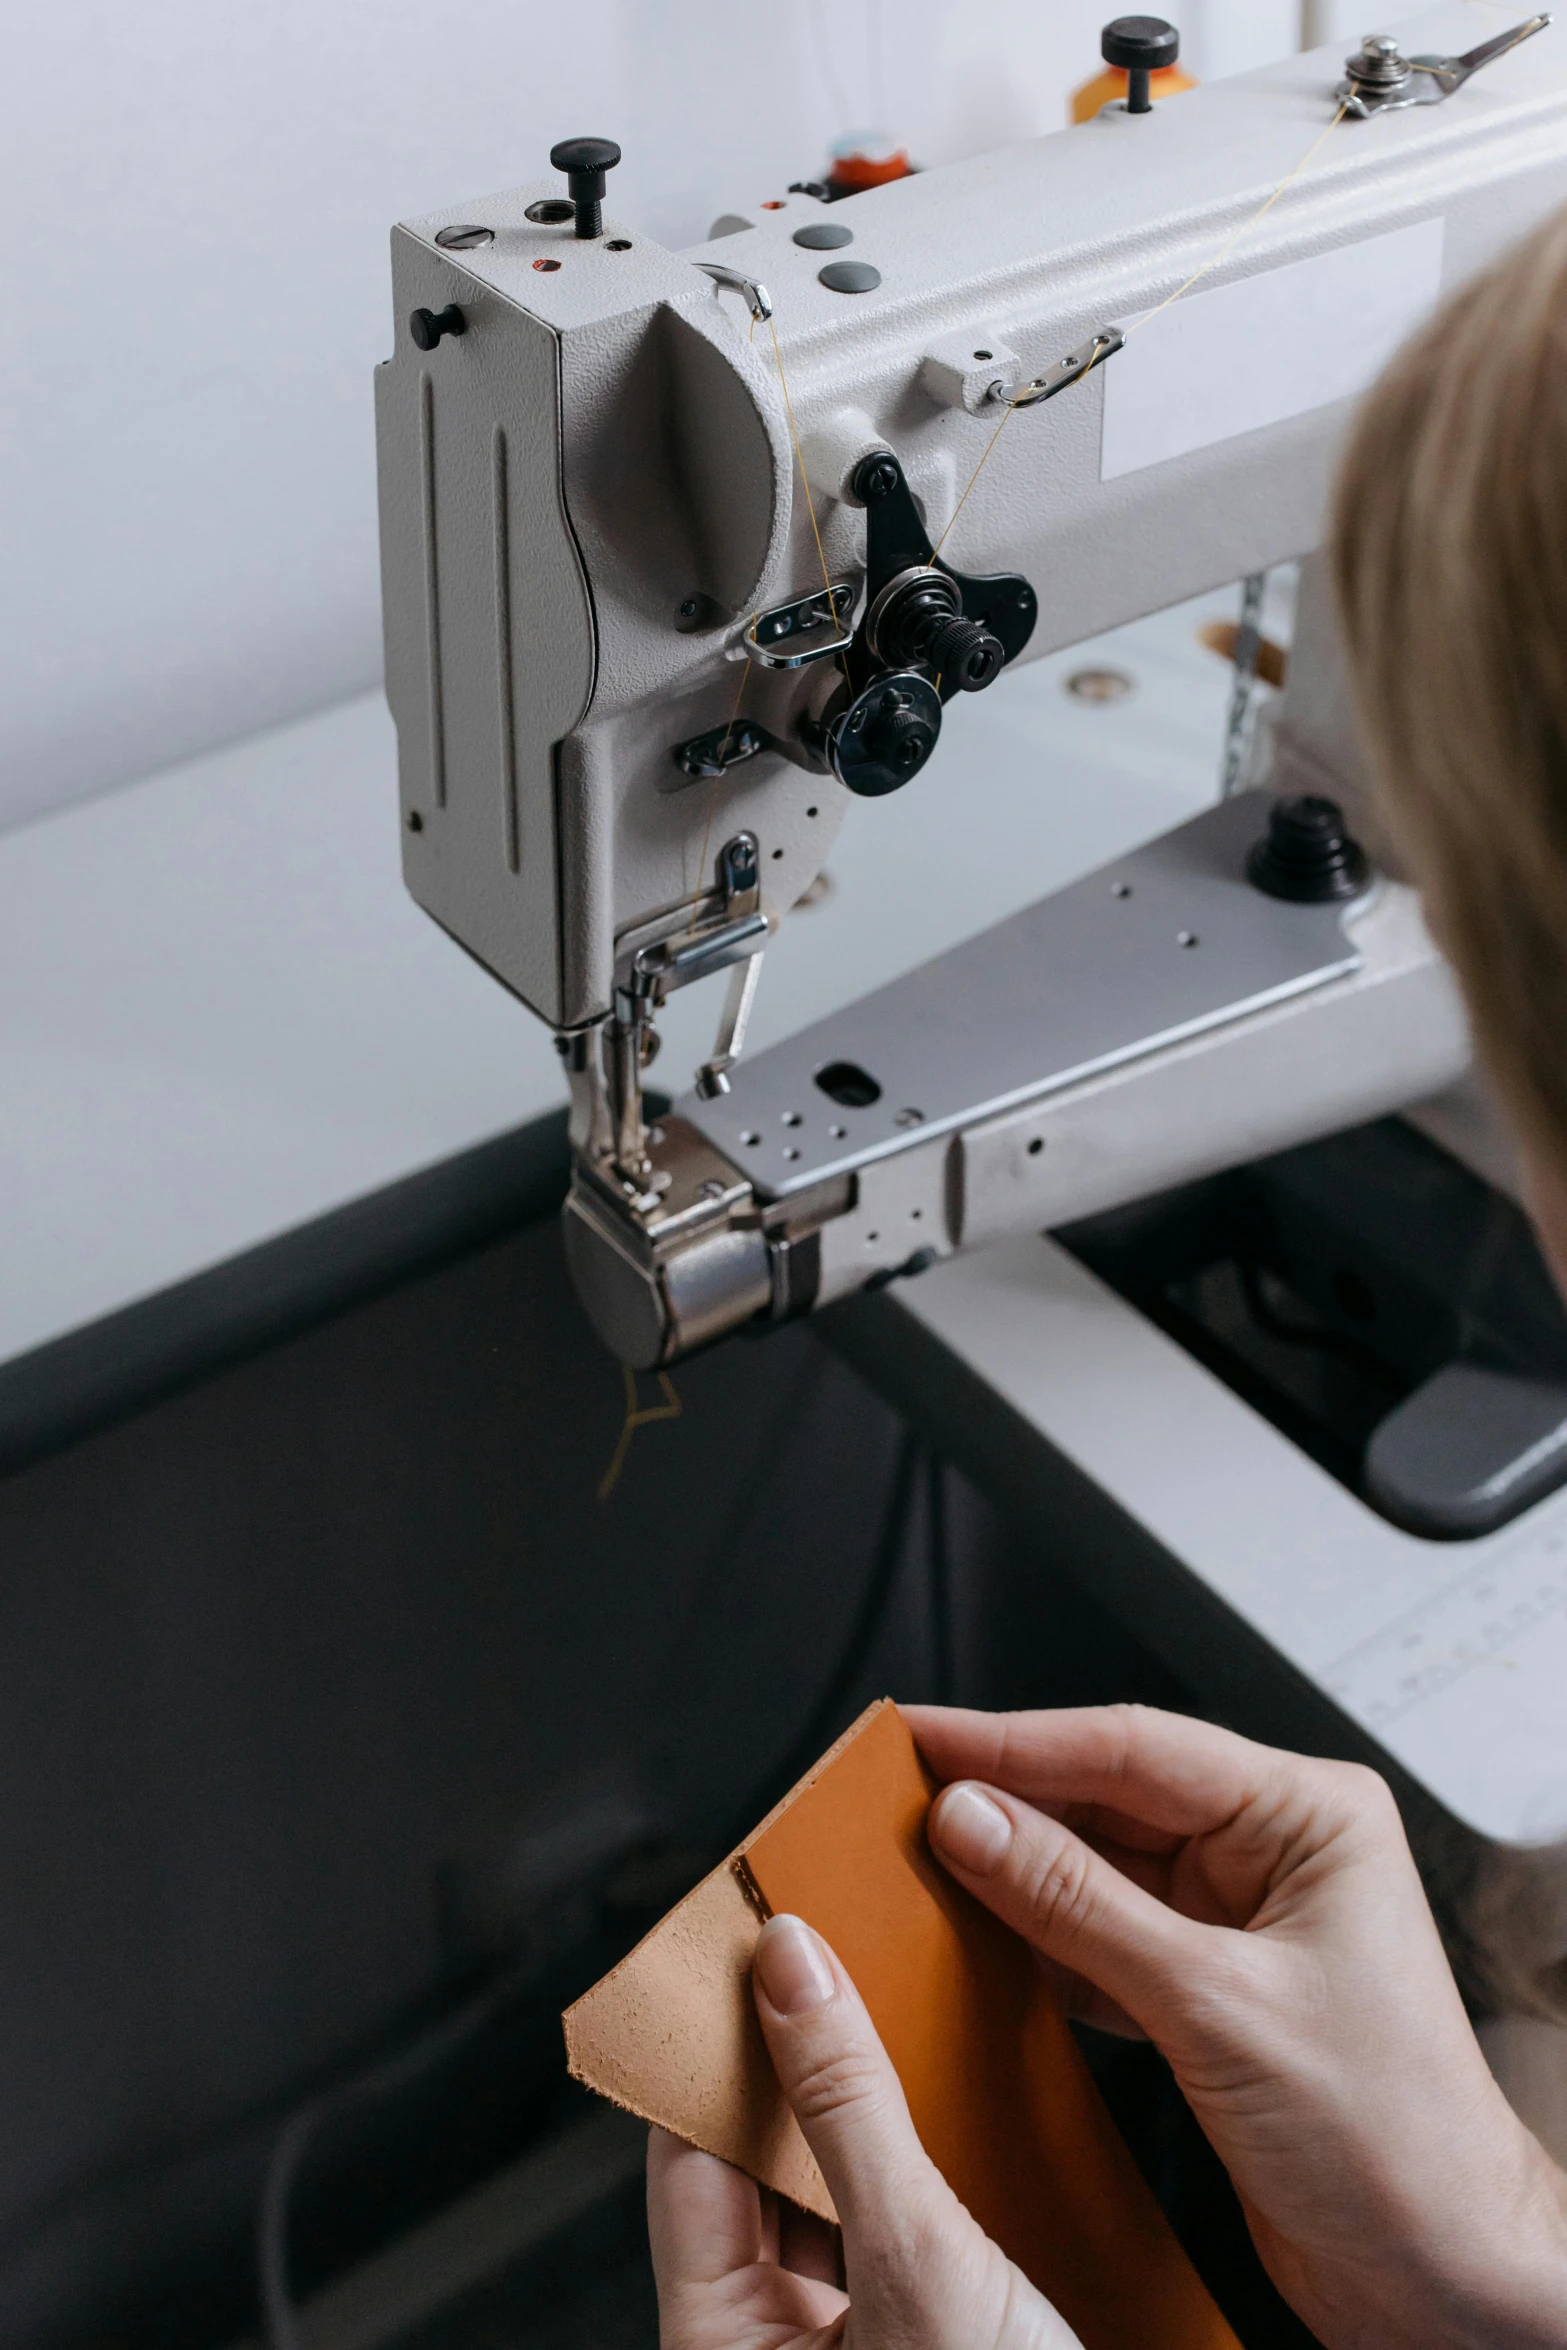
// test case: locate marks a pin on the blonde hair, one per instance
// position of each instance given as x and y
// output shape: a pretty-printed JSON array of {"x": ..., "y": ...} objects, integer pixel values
[{"x": 1450, "y": 563}]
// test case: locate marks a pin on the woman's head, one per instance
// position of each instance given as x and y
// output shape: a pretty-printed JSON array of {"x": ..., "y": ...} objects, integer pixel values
[{"x": 1450, "y": 560}]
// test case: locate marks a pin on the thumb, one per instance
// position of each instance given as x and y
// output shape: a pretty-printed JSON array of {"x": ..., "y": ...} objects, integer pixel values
[
  {"x": 1074, "y": 1907},
  {"x": 919, "y": 2268},
  {"x": 839, "y": 2080}
]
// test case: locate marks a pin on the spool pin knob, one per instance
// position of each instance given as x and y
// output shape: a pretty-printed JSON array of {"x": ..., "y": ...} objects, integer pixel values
[
  {"x": 1142, "y": 45},
  {"x": 1308, "y": 854},
  {"x": 585, "y": 161}
]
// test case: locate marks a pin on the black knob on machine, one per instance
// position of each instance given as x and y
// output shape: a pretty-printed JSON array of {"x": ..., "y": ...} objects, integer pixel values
[
  {"x": 1142, "y": 44},
  {"x": 883, "y": 737},
  {"x": 965, "y": 652},
  {"x": 917, "y": 621},
  {"x": 585, "y": 161},
  {"x": 1308, "y": 853},
  {"x": 428, "y": 326},
  {"x": 901, "y": 742}
]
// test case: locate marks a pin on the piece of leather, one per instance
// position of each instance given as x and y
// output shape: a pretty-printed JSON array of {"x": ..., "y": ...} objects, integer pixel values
[
  {"x": 997, "y": 2089},
  {"x": 671, "y": 2034},
  {"x": 1000, "y": 2095}
]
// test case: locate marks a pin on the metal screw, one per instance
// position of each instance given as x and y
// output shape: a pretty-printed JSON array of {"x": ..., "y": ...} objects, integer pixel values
[{"x": 1380, "y": 63}]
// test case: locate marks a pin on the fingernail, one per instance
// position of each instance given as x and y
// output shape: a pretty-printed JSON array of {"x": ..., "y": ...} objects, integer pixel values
[
  {"x": 793, "y": 1966},
  {"x": 968, "y": 1828}
]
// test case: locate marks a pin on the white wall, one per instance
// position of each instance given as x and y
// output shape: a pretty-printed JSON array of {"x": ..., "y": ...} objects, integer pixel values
[{"x": 196, "y": 200}]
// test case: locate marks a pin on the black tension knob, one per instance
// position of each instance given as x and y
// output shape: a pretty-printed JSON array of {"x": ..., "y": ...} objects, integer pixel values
[
  {"x": 428, "y": 326},
  {"x": 1143, "y": 45},
  {"x": 1308, "y": 854},
  {"x": 963, "y": 652},
  {"x": 585, "y": 161},
  {"x": 902, "y": 741},
  {"x": 917, "y": 623}
]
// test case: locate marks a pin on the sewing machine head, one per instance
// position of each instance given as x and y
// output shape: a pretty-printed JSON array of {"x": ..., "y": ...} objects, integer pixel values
[{"x": 684, "y": 552}]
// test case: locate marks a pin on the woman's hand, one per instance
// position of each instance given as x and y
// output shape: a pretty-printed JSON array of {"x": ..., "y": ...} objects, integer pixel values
[
  {"x": 740, "y": 2271},
  {"x": 1258, "y": 1916}
]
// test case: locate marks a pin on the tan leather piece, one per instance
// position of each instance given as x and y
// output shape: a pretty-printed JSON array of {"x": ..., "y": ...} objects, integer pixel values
[
  {"x": 999, "y": 2094},
  {"x": 672, "y": 2035}
]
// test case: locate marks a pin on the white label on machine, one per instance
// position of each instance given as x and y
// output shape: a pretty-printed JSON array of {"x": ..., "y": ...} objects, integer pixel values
[{"x": 1265, "y": 348}]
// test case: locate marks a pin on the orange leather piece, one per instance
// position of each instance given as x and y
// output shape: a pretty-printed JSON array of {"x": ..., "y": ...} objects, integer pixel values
[
  {"x": 1002, "y": 2100},
  {"x": 999, "y": 2094}
]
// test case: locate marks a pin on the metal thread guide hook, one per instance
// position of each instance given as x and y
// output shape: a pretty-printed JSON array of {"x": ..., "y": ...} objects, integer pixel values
[{"x": 1380, "y": 79}]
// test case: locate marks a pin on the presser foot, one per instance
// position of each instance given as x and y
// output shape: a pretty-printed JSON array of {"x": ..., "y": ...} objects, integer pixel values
[{"x": 693, "y": 1254}]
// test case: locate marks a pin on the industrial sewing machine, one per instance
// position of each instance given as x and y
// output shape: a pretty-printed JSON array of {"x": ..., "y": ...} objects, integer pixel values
[{"x": 639, "y": 675}]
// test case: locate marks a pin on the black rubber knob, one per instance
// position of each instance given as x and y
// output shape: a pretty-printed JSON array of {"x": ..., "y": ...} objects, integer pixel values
[
  {"x": 428, "y": 326},
  {"x": 585, "y": 161},
  {"x": 1308, "y": 854},
  {"x": 1144, "y": 45},
  {"x": 902, "y": 741},
  {"x": 964, "y": 654}
]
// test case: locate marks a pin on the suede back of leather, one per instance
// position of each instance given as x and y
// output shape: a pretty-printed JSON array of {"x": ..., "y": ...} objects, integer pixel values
[{"x": 1001, "y": 2098}]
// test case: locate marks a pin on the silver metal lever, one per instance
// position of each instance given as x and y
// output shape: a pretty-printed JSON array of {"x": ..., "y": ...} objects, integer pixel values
[
  {"x": 790, "y": 635},
  {"x": 712, "y": 1079},
  {"x": 1380, "y": 79},
  {"x": 758, "y": 300},
  {"x": 674, "y": 963},
  {"x": 643, "y": 982},
  {"x": 1069, "y": 370}
]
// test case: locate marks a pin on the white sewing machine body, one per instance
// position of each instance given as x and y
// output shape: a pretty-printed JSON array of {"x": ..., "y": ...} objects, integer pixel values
[{"x": 590, "y": 500}]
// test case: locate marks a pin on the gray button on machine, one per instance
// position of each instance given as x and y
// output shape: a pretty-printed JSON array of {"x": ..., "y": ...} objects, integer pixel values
[
  {"x": 823, "y": 236},
  {"x": 850, "y": 277}
]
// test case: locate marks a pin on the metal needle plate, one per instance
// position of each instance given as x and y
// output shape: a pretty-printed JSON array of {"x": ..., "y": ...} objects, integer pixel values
[{"x": 1158, "y": 946}]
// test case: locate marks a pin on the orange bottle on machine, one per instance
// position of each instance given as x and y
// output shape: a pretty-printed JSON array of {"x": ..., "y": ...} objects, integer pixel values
[{"x": 1140, "y": 54}]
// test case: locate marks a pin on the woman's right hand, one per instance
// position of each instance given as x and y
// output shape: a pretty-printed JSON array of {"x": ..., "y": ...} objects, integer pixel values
[
  {"x": 1258, "y": 1916},
  {"x": 910, "y": 2271}
]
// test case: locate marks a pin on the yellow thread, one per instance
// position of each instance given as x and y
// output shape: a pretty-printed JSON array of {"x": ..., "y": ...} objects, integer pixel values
[
  {"x": 1246, "y": 227},
  {"x": 1213, "y": 262},
  {"x": 974, "y": 476},
  {"x": 637, "y": 1416},
  {"x": 810, "y": 503},
  {"x": 799, "y": 458}
]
